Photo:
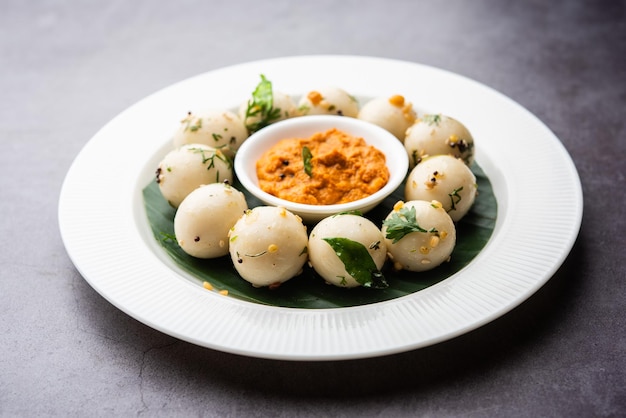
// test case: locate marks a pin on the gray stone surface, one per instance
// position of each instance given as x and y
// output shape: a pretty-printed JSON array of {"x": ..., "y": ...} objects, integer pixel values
[{"x": 68, "y": 67}]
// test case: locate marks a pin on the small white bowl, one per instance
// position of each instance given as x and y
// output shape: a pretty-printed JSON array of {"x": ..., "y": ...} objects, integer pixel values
[{"x": 303, "y": 127}]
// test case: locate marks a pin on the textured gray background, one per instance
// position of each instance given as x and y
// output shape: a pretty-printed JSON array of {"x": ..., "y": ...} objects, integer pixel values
[{"x": 68, "y": 67}]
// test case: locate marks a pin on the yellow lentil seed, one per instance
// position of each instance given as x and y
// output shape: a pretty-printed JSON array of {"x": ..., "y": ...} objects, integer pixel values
[
  {"x": 207, "y": 286},
  {"x": 397, "y": 100},
  {"x": 443, "y": 234},
  {"x": 434, "y": 241},
  {"x": 399, "y": 205},
  {"x": 424, "y": 250},
  {"x": 272, "y": 248},
  {"x": 223, "y": 292},
  {"x": 315, "y": 97}
]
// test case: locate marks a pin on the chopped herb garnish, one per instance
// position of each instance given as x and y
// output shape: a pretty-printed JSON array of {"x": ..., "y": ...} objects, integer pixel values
[
  {"x": 261, "y": 106},
  {"x": 216, "y": 137},
  {"x": 455, "y": 198},
  {"x": 211, "y": 159},
  {"x": 358, "y": 262},
  {"x": 415, "y": 157},
  {"x": 403, "y": 223},
  {"x": 431, "y": 119},
  {"x": 166, "y": 237},
  {"x": 196, "y": 126},
  {"x": 307, "y": 157},
  {"x": 355, "y": 212}
]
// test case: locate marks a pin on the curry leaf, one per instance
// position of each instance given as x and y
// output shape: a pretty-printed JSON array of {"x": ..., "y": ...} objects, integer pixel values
[
  {"x": 358, "y": 262},
  {"x": 261, "y": 106},
  {"x": 307, "y": 157}
]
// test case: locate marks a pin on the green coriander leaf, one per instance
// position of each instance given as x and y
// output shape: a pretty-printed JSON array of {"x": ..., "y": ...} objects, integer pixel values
[
  {"x": 358, "y": 262},
  {"x": 403, "y": 223}
]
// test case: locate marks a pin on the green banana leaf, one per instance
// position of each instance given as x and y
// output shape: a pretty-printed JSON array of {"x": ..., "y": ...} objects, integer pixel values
[{"x": 309, "y": 290}]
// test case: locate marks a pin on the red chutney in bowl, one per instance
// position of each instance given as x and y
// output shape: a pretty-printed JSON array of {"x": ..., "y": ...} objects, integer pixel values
[{"x": 327, "y": 168}]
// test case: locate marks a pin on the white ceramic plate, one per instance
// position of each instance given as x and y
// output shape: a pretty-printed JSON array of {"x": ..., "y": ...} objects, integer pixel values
[{"x": 107, "y": 236}]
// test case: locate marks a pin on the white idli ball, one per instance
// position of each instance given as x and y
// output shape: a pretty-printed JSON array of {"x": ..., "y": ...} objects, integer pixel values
[
  {"x": 268, "y": 245},
  {"x": 328, "y": 101},
  {"x": 221, "y": 129},
  {"x": 438, "y": 135},
  {"x": 324, "y": 259},
  {"x": 429, "y": 244},
  {"x": 446, "y": 179},
  {"x": 391, "y": 113},
  {"x": 205, "y": 216},
  {"x": 186, "y": 168}
]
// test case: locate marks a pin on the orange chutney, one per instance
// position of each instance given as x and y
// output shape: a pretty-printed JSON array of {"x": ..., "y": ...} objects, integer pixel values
[{"x": 342, "y": 169}]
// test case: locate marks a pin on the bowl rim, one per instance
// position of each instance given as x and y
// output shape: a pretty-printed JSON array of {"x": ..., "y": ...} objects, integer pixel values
[{"x": 266, "y": 137}]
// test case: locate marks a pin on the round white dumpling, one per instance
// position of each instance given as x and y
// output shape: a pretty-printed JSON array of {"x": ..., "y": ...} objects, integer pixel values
[
  {"x": 268, "y": 245},
  {"x": 283, "y": 107},
  {"x": 438, "y": 135},
  {"x": 205, "y": 216},
  {"x": 323, "y": 258},
  {"x": 329, "y": 101},
  {"x": 429, "y": 245},
  {"x": 393, "y": 113},
  {"x": 446, "y": 179},
  {"x": 216, "y": 128},
  {"x": 186, "y": 168}
]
